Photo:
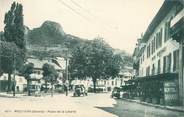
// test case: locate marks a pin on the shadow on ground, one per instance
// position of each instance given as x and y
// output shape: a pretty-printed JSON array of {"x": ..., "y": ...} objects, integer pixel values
[{"x": 123, "y": 108}]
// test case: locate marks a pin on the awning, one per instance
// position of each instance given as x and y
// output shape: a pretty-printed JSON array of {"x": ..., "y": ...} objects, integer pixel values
[{"x": 165, "y": 76}]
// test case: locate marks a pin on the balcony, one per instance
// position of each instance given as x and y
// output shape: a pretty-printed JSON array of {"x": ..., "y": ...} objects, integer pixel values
[{"x": 177, "y": 26}]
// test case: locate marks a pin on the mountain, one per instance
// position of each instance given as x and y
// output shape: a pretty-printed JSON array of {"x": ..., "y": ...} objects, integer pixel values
[
  {"x": 50, "y": 39},
  {"x": 49, "y": 34}
]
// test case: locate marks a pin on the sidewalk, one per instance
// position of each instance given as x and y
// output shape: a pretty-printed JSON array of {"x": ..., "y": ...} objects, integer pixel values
[
  {"x": 10, "y": 95},
  {"x": 171, "y": 108}
]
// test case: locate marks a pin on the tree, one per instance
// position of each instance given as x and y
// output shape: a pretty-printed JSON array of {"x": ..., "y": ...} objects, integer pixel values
[
  {"x": 14, "y": 27},
  {"x": 11, "y": 58},
  {"x": 27, "y": 69},
  {"x": 114, "y": 66},
  {"x": 94, "y": 59},
  {"x": 13, "y": 33},
  {"x": 49, "y": 74}
]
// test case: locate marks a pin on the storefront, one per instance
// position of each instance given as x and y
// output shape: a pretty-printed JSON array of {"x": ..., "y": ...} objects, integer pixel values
[{"x": 158, "y": 89}]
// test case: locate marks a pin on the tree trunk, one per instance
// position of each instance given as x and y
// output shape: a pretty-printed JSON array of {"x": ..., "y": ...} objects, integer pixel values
[
  {"x": 52, "y": 92},
  {"x": 9, "y": 82},
  {"x": 94, "y": 85},
  {"x": 28, "y": 88},
  {"x": 45, "y": 86}
]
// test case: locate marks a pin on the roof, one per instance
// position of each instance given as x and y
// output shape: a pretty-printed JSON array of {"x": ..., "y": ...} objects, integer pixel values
[
  {"x": 39, "y": 63},
  {"x": 161, "y": 14},
  {"x": 127, "y": 74}
]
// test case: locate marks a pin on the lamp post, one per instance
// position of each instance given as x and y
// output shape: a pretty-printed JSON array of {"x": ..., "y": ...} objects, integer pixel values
[{"x": 66, "y": 70}]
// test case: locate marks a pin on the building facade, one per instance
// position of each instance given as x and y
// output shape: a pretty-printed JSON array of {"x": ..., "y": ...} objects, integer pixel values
[
  {"x": 107, "y": 84},
  {"x": 20, "y": 83},
  {"x": 177, "y": 33},
  {"x": 156, "y": 58}
]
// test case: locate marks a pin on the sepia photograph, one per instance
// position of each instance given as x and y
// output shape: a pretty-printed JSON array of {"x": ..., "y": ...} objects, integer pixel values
[{"x": 91, "y": 58}]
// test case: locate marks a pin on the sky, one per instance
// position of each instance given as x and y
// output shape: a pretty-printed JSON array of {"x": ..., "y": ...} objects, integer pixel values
[{"x": 119, "y": 22}]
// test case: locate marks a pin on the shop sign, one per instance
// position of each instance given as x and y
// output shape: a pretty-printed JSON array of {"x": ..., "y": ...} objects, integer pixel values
[{"x": 170, "y": 92}]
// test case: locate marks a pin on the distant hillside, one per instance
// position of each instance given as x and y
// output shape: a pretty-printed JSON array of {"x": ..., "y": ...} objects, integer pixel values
[
  {"x": 50, "y": 38},
  {"x": 51, "y": 34}
]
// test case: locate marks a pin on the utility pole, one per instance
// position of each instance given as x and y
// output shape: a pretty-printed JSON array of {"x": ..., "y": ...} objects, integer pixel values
[
  {"x": 14, "y": 69},
  {"x": 66, "y": 70}
]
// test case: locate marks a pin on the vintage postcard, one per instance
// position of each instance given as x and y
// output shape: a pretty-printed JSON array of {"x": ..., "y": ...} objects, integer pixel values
[{"x": 91, "y": 58}]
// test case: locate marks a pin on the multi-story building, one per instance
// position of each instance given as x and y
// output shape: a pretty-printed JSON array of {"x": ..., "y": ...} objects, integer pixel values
[
  {"x": 107, "y": 83},
  {"x": 37, "y": 75},
  {"x": 156, "y": 58},
  {"x": 177, "y": 33}
]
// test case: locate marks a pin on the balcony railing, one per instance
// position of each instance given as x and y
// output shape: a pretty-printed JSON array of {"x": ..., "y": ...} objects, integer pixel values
[{"x": 177, "y": 18}]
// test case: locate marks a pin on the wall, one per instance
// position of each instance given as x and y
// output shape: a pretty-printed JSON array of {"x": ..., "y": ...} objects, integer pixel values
[{"x": 167, "y": 47}]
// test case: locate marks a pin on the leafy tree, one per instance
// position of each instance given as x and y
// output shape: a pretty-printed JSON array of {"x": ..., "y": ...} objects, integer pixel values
[
  {"x": 49, "y": 74},
  {"x": 11, "y": 58},
  {"x": 94, "y": 59},
  {"x": 114, "y": 66},
  {"x": 14, "y": 27},
  {"x": 13, "y": 33},
  {"x": 27, "y": 69}
]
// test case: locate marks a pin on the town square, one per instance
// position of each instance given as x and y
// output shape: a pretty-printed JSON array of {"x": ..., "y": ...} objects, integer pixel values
[{"x": 76, "y": 58}]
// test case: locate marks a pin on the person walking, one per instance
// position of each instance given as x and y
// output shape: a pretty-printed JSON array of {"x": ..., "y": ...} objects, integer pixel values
[{"x": 66, "y": 90}]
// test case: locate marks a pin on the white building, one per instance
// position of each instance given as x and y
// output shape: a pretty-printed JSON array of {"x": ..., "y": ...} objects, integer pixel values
[
  {"x": 156, "y": 57},
  {"x": 38, "y": 64},
  {"x": 20, "y": 81},
  {"x": 108, "y": 83}
]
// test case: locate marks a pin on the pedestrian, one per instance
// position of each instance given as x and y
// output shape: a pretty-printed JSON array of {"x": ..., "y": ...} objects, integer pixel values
[{"x": 66, "y": 89}]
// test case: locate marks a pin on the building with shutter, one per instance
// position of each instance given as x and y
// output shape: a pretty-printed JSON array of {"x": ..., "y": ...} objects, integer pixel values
[{"x": 156, "y": 58}]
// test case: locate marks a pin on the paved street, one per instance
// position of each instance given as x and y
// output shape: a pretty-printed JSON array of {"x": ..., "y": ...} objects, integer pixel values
[{"x": 94, "y": 105}]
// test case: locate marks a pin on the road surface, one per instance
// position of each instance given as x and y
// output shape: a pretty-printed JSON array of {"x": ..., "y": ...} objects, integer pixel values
[{"x": 93, "y": 105}]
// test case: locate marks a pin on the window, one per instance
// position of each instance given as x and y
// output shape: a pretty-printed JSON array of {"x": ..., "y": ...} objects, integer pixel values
[
  {"x": 153, "y": 69},
  {"x": 168, "y": 63},
  {"x": 175, "y": 60},
  {"x": 158, "y": 67},
  {"x": 115, "y": 82},
  {"x": 112, "y": 83},
  {"x": 167, "y": 30},
  {"x": 148, "y": 51},
  {"x": 157, "y": 41},
  {"x": 160, "y": 38},
  {"x": 152, "y": 47},
  {"x": 154, "y": 44},
  {"x": 164, "y": 64},
  {"x": 148, "y": 71}
]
